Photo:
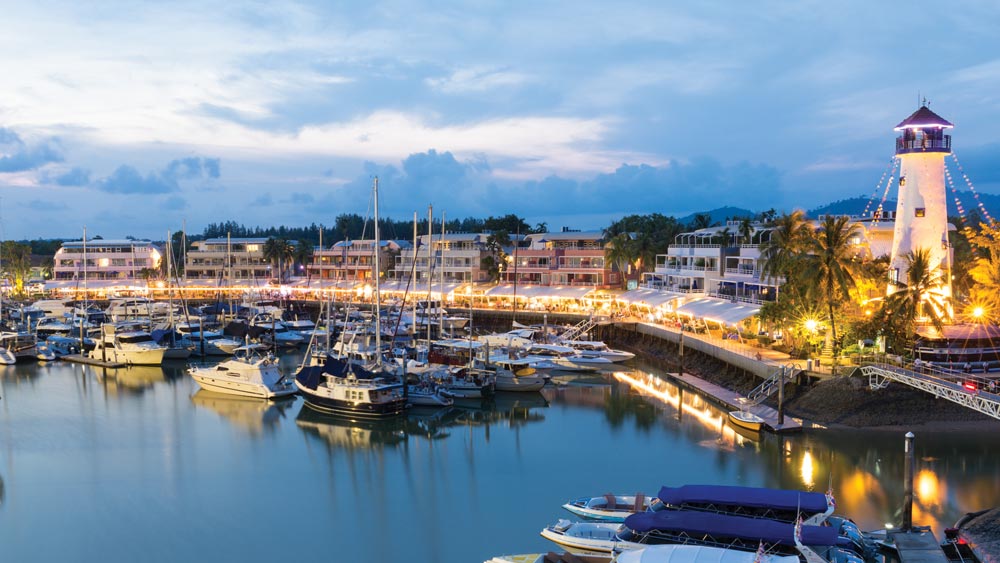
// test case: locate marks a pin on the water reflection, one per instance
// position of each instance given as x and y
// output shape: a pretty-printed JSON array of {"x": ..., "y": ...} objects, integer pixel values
[
  {"x": 132, "y": 379},
  {"x": 253, "y": 415}
]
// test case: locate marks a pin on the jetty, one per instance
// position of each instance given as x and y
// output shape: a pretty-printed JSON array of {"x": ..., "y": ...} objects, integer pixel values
[
  {"x": 83, "y": 359},
  {"x": 735, "y": 401}
]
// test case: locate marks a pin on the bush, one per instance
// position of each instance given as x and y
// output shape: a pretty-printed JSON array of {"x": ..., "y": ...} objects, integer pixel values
[{"x": 764, "y": 340}]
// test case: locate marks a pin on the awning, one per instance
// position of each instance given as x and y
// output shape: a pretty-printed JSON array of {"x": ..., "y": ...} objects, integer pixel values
[
  {"x": 91, "y": 285},
  {"x": 718, "y": 310},
  {"x": 539, "y": 291},
  {"x": 420, "y": 288},
  {"x": 651, "y": 298}
]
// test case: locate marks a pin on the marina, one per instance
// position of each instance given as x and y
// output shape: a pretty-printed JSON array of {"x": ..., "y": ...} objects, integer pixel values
[{"x": 142, "y": 445}]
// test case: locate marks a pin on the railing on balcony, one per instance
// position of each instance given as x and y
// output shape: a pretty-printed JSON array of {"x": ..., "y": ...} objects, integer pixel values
[{"x": 923, "y": 144}]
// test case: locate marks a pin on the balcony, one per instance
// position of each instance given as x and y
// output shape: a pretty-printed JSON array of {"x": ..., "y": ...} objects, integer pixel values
[{"x": 906, "y": 146}]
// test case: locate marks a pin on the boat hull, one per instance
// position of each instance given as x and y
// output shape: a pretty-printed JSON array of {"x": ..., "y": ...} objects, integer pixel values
[
  {"x": 350, "y": 408},
  {"x": 746, "y": 421},
  {"x": 241, "y": 388}
]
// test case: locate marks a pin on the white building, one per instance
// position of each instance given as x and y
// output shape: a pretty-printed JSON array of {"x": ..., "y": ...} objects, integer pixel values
[{"x": 99, "y": 259}]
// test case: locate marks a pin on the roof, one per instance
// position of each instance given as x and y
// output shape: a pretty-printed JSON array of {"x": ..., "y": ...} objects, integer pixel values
[
  {"x": 649, "y": 297},
  {"x": 528, "y": 291},
  {"x": 923, "y": 117},
  {"x": 718, "y": 310},
  {"x": 223, "y": 240},
  {"x": 696, "y": 522},
  {"x": 106, "y": 242},
  {"x": 569, "y": 235},
  {"x": 753, "y": 497}
]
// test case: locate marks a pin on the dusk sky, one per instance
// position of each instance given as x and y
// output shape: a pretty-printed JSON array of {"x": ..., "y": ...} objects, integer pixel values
[{"x": 132, "y": 117}]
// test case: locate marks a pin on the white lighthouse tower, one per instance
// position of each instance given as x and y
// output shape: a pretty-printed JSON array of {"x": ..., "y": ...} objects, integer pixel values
[{"x": 922, "y": 211}]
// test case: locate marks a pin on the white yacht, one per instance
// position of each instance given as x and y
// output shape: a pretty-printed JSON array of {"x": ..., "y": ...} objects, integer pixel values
[
  {"x": 275, "y": 332},
  {"x": 132, "y": 346},
  {"x": 251, "y": 372},
  {"x": 215, "y": 343},
  {"x": 566, "y": 358},
  {"x": 598, "y": 348}
]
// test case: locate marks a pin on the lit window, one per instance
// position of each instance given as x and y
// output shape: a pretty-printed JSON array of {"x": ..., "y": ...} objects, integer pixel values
[{"x": 919, "y": 212}]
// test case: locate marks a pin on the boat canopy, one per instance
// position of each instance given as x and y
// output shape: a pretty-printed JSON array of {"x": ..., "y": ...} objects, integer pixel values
[
  {"x": 697, "y": 554},
  {"x": 692, "y": 522},
  {"x": 754, "y": 497}
]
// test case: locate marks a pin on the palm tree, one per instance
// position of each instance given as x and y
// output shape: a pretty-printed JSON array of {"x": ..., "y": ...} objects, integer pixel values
[
  {"x": 919, "y": 299},
  {"x": 619, "y": 252},
  {"x": 986, "y": 292},
  {"x": 303, "y": 253},
  {"x": 830, "y": 266},
  {"x": 278, "y": 251},
  {"x": 783, "y": 249},
  {"x": 746, "y": 231}
]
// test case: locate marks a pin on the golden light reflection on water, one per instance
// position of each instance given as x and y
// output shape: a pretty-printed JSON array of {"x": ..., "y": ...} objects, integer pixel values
[
  {"x": 693, "y": 405},
  {"x": 807, "y": 470}
]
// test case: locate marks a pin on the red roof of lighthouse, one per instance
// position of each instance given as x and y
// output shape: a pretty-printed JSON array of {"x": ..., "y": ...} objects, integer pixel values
[{"x": 923, "y": 117}]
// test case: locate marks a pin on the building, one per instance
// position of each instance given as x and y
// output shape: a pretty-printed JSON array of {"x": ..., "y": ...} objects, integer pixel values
[
  {"x": 236, "y": 260},
  {"x": 99, "y": 259},
  {"x": 354, "y": 260},
  {"x": 921, "y": 209},
  {"x": 456, "y": 257},
  {"x": 565, "y": 258}
]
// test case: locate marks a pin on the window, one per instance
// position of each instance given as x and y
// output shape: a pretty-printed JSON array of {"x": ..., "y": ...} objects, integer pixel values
[{"x": 919, "y": 212}]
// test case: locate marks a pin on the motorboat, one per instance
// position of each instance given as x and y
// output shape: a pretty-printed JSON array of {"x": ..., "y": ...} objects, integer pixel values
[
  {"x": 131, "y": 346},
  {"x": 781, "y": 505},
  {"x": 654, "y": 554},
  {"x": 428, "y": 394},
  {"x": 747, "y": 421},
  {"x": 468, "y": 383},
  {"x": 339, "y": 387},
  {"x": 52, "y": 326},
  {"x": 522, "y": 380},
  {"x": 815, "y": 544},
  {"x": 251, "y": 372},
  {"x": 598, "y": 348},
  {"x": 432, "y": 313},
  {"x": 275, "y": 332},
  {"x": 566, "y": 358},
  {"x": 609, "y": 507},
  {"x": 208, "y": 342},
  {"x": 7, "y": 358},
  {"x": 23, "y": 345},
  {"x": 66, "y": 345},
  {"x": 517, "y": 338}
]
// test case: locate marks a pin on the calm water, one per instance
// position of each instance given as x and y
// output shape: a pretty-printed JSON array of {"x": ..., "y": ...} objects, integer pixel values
[{"x": 138, "y": 464}]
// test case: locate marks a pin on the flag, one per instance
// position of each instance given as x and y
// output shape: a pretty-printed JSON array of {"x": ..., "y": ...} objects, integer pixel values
[
  {"x": 830, "y": 500},
  {"x": 759, "y": 558}
]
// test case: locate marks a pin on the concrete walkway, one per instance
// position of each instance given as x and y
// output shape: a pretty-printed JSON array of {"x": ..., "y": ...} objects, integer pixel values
[{"x": 735, "y": 401}]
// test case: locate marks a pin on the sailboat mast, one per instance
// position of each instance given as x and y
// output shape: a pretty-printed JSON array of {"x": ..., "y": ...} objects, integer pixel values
[
  {"x": 430, "y": 269},
  {"x": 441, "y": 278},
  {"x": 378, "y": 296}
]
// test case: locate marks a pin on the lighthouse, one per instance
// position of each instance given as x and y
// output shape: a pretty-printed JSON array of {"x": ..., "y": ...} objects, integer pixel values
[{"x": 921, "y": 210}]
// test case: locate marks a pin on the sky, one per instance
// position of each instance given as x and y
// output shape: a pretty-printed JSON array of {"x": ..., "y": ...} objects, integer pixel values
[{"x": 138, "y": 118}]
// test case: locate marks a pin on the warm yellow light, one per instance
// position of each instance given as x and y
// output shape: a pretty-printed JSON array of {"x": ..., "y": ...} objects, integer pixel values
[
  {"x": 868, "y": 313},
  {"x": 807, "y": 470},
  {"x": 978, "y": 312},
  {"x": 811, "y": 325}
]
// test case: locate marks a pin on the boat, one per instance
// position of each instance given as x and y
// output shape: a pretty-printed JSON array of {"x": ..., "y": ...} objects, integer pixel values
[
  {"x": 51, "y": 326},
  {"x": 815, "y": 544},
  {"x": 7, "y": 357},
  {"x": 274, "y": 331},
  {"x": 781, "y": 505},
  {"x": 747, "y": 420},
  {"x": 24, "y": 345},
  {"x": 653, "y": 554},
  {"x": 208, "y": 342},
  {"x": 132, "y": 346},
  {"x": 521, "y": 381},
  {"x": 609, "y": 507},
  {"x": 339, "y": 387},
  {"x": 566, "y": 358},
  {"x": 428, "y": 394},
  {"x": 598, "y": 348},
  {"x": 65, "y": 345},
  {"x": 251, "y": 372}
]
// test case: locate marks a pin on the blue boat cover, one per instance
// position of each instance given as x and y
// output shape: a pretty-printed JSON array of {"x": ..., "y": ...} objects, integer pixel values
[
  {"x": 754, "y": 497},
  {"x": 725, "y": 525}
]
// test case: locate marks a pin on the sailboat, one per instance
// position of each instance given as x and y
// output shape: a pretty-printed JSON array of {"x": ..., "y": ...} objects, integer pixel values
[{"x": 340, "y": 387}]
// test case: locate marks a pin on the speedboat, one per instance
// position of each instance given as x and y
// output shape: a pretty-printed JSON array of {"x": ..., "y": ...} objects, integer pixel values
[
  {"x": 65, "y": 345},
  {"x": 341, "y": 388},
  {"x": 428, "y": 394},
  {"x": 567, "y": 358},
  {"x": 608, "y": 508},
  {"x": 654, "y": 554},
  {"x": 522, "y": 380},
  {"x": 251, "y": 372},
  {"x": 782, "y": 505},
  {"x": 134, "y": 347},
  {"x": 275, "y": 332},
  {"x": 598, "y": 348}
]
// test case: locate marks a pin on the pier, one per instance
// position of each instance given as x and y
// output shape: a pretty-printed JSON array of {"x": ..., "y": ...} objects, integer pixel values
[
  {"x": 918, "y": 545},
  {"x": 83, "y": 359},
  {"x": 735, "y": 401}
]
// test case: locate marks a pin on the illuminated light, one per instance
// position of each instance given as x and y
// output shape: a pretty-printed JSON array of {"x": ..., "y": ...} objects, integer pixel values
[
  {"x": 978, "y": 312},
  {"x": 928, "y": 488},
  {"x": 811, "y": 325},
  {"x": 868, "y": 313},
  {"x": 807, "y": 470}
]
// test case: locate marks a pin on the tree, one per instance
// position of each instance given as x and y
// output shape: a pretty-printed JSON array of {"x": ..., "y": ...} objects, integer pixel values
[
  {"x": 919, "y": 299},
  {"x": 495, "y": 262},
  {"x": 15, "y": 258},
  {"x": 620, "y": 252},
  {"x": 700, "y": 221},
  {"x": 830, "y": 266},
  {"x": 278, "y": 251},
  {"x": 303, "y": 252},
  {"x": 784, "y": 247},
  {"x": 985, "y": 293},
  {"x": 745, "y": 231}
]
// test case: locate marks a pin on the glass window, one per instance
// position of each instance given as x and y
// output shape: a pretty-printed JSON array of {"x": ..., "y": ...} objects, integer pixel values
[{"x": 919, "y": 212}]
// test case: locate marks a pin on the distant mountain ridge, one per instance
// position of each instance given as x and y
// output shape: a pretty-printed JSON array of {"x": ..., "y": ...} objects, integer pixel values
[{"x": 857, "y": 206}]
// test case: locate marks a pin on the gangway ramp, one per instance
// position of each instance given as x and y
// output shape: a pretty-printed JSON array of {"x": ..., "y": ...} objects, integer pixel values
[{"x": 974, "y": 392}]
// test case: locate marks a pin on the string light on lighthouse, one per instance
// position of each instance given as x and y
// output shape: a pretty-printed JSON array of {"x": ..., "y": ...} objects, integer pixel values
[
  {"x": 975, "y": 194},
  {"x": 890, "y": 169},
  {"x": 885, "y": 194}
]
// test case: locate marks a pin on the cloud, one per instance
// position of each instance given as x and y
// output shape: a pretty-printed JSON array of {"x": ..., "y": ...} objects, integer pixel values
[
  {"x": 75, "y": 176},
  {"x": 45, "y": 206},
  {"x": 263, "y": 199},
  {"x": 18, "y": 156},
  {"x": 174, "y": 203},
  {"x": 476, "y": 79},
  {"x": 127, "y": 180},
  {"x": 299, "y": 198}
]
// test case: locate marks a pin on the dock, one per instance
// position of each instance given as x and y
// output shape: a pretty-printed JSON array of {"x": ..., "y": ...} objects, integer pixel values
[
  {"x": 917, "y": 546},
  {"x": 735, "y": 401},
  {"x": 81, "y": 359}
]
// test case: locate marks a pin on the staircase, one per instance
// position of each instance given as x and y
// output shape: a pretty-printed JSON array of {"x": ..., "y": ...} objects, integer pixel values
[
  {"x": 578, "y": 330},
  {"x": 780, "y": 376}
]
